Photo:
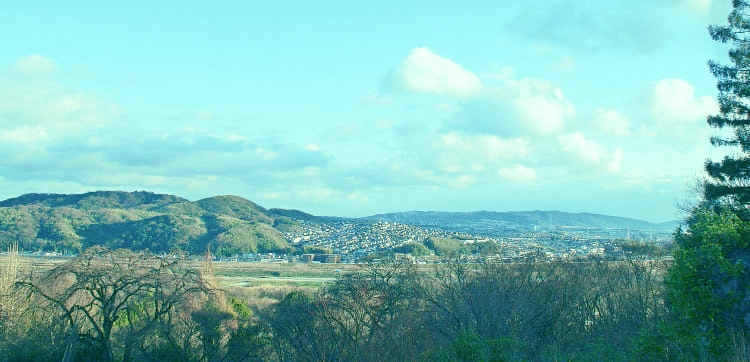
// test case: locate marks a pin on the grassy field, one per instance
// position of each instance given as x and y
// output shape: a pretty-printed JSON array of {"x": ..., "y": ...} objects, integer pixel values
[
  {"x": 271, "y": 270},
  {"x": 261, "y": 285}
]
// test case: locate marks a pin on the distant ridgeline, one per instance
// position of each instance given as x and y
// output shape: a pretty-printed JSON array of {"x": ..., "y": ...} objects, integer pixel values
[
  {"x": 230, "y": 225},
  {"x": 471, "y": 222}
]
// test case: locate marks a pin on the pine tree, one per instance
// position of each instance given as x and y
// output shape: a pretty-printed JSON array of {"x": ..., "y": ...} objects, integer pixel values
[
  {"x": 729, "y": 179},
  {"x": 708, "y": 285}
]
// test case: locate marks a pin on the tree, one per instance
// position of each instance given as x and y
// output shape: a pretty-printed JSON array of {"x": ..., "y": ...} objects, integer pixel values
[
  {"x": 103, "y": 291},
  {"x": 709, "y": 280},
  {"x": 729, "y": 179}
]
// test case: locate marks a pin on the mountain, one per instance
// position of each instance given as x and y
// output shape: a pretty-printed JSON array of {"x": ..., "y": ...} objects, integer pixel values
[
  {"x": 96, "y": 200},
  {"x": 523, "y": 219},
  {"x": 141, "y": 220}
]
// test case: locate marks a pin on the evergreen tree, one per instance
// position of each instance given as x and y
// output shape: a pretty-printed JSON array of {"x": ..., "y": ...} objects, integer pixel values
[
  {"x": 709, "y": 281},
  {"x": 729, "y": 179},
  {"x": 708, "y": 284}
]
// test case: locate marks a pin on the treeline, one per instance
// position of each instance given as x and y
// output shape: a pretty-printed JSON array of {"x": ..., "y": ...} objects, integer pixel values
[{"x": 120, "y": 306}]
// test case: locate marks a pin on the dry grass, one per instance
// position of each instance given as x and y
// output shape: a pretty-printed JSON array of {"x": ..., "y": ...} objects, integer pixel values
[
  {"x": 9, "y": 265},
  {"x": 260, "y": 297},
  {"x": 262, "y": 285},
  {"x": 249, "y": 269},
  {"x": 13, "y": 267}
]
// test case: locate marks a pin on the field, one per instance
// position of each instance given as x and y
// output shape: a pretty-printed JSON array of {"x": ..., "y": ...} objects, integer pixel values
[{"x": 261, "y": 285}]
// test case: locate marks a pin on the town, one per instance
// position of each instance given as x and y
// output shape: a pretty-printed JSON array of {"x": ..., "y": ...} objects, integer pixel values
[{"x": 356, "y": 240}]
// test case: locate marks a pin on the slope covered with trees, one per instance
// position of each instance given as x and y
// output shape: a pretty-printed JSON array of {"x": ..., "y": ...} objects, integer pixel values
[{"x": 227, "y": 225}]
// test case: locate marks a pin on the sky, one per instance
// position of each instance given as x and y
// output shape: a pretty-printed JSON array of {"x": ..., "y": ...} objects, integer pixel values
[{"x": 349, "y": 108}]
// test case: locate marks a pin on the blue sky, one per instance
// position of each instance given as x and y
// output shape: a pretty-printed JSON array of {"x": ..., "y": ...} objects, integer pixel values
[{"x": 351, "y": 109}]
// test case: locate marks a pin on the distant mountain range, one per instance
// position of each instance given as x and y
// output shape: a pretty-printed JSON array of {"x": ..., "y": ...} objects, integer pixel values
[
  {"x": 227, "y": 225},
  {"x": 521, "y": 219}
]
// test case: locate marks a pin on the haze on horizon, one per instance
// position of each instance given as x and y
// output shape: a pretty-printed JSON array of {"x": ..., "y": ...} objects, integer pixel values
[{"x": 348, "y": 109}]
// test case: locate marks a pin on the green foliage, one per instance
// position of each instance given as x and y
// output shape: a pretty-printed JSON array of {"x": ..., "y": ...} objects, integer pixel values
[
  {"x": 483, "y": 248},
  {"x": 240, "y": 308},
  {"x": 415, "y": 249},
  {"x": 708, "y": 282},
  {"x": 311, "y": 249},
  {"x": 236, "y": 207},
  {"x": 242, "y": 237},
  {"x": 470, "y": 346},
  {"x": 445, "y": 247},
  {"x": 641, "y": 248},
  {"x": 285, "y": 224},
  {"x": 708, "y": 285}
]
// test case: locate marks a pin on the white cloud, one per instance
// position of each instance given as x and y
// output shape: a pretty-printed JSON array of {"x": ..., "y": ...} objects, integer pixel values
[
  {"x": 53, "y": 133},
  {"x": 23, "y": 135},
  {"x": 542, "y": 106},
  {"x": 678, "y": 114},
  {"x": 515, "y": 108},
  {"x": 517, "y": 173},
  {"x": 34, "y": 65},
  {"x": 44, "y": 102},
  {"x": 674, "y": 102},
  {"x": 610, "y": 122},
  {"x": 459, "y": 153},
  {"x": 587, "y": 155},
  {"x": 426, "y": 72},
  {"x": 503, "y": 74}
]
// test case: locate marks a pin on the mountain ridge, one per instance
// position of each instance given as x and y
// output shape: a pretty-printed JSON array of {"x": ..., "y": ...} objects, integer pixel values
[
  {"x": 139, "y": 220},
  {"x": 524, "y": 218}
]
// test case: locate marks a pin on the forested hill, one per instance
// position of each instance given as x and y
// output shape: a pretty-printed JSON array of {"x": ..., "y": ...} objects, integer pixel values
[
  {"x": 143, "y": 220},
  {"x": 522, "y": 219}
]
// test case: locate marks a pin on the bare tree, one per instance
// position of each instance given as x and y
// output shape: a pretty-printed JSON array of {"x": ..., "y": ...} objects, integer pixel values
[{"x": 103, "y": 290}]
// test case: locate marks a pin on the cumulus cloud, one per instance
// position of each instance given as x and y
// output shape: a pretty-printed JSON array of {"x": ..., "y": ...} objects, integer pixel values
[
  {"x": 587, "y": 155},
  {"x": 515, "y": 108},
  {"x": 610, "y": 122},
  {"x": 676, "y": 112},
  {"x": 517, "y": 173},
  {"x": 542, "y": 106},
  {"x": 460, "y": 153},
  {"x": 674, "y": 102},
  {"x": 426, "y": 72}
]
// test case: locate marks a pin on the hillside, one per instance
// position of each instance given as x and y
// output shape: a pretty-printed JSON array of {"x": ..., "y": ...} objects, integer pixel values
[
  {"x": 141, "y": 220},
  {"x": 524, "y": 219}
]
